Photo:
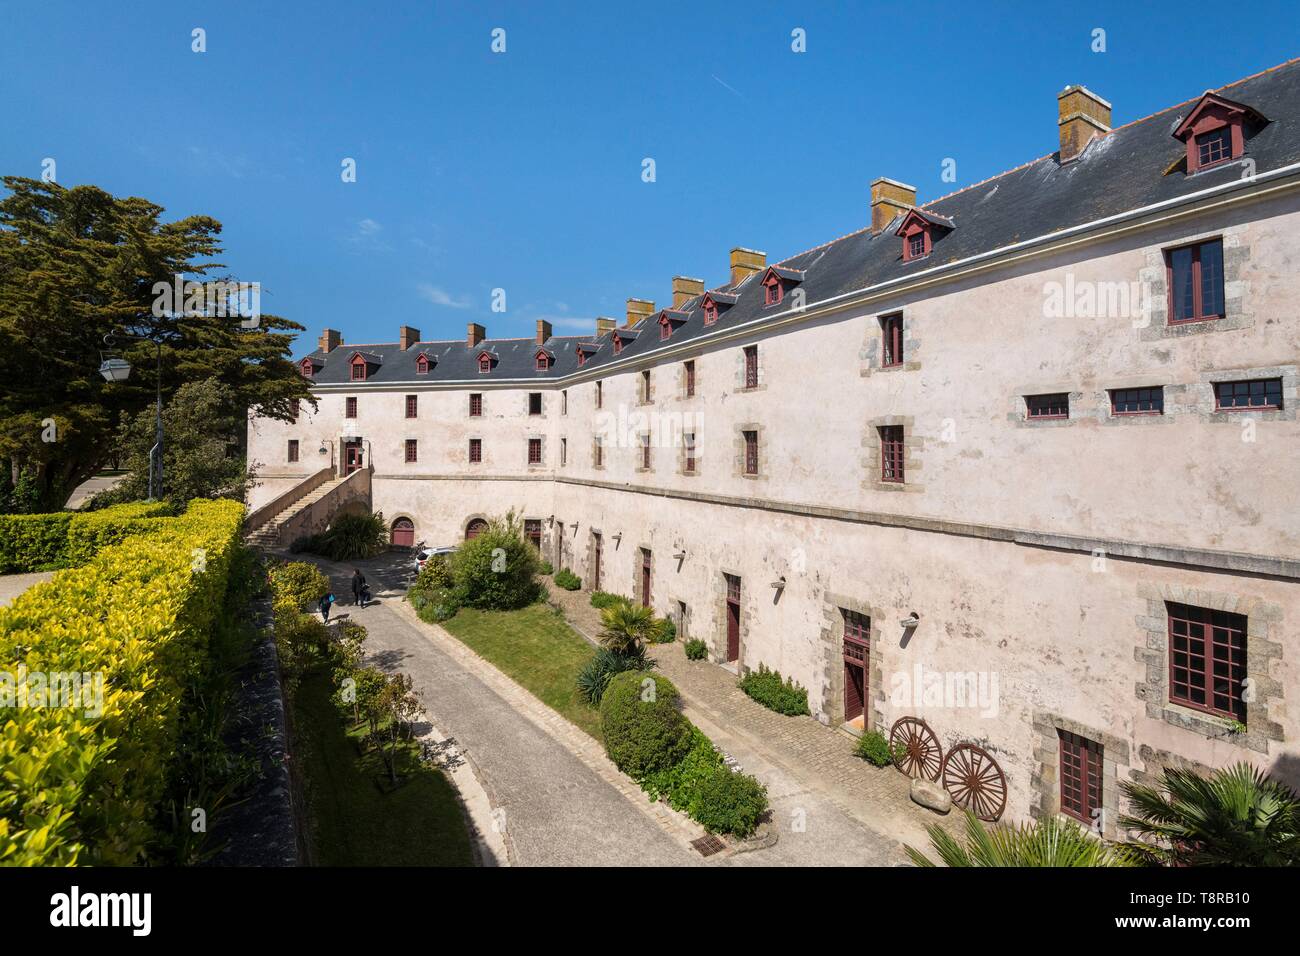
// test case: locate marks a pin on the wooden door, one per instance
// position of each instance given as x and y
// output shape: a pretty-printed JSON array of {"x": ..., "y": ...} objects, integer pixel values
[
  {"x": 857, "y": 659},
  {"x": 351, "y": 457},
  {"x": 403, "y": 534},
  {"x": 733, "y": 617},
  {"x": 475, "y": 528},
  {"x": 854, "y": 692}
]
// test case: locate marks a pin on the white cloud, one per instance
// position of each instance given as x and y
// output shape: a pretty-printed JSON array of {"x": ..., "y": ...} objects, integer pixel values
[
  {"x": 440, "y": 296},
  {"x": 368, "y": 227}
]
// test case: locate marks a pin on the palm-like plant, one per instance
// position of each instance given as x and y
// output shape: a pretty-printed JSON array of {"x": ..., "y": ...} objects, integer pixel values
[
  {"x": 1237, "y": 816},
  {"x": 1050, "y": 841},
  {"x": 627, "y": 628}
]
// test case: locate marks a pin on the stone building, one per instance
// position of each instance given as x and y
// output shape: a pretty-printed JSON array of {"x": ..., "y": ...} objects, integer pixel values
[{"x": 1021, "y": 461}]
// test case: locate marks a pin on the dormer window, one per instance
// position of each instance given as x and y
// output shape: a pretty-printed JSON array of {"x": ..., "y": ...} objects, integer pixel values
[
  {"x": 543, "y": 360},
  {"x": 669, "y": 319},
  {"x": 358, "y": 368},
  {"x": 710, "y": 312},
  {"x": 618, "y": 344},
  {"x": 920, "y": 230},
  {"x": 422, "y": 364},
  {"x": 712, "y": 304},
  {"x": 484, "y": 362},
  {"x": 665, "y": 329},
  {"x": 916, "y": 245},
  {"x": 308, "y": 368},
  {"x": 773, "y": 290},
  {"x": 1215, "y": 131},
  {"x": 582, "y": 358}
]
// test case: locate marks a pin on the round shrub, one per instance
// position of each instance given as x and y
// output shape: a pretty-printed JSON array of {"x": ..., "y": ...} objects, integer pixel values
[
  {"x": 298, "y": 582},
  {"x": 434, "y": 594},
  {"x": 874, "y": 748},
  {"x": 696, "y": 649},
  {"x": 642, "y": 723},
  {"x": 728, "y": 802},
  {"x": 495, "y": 571}
]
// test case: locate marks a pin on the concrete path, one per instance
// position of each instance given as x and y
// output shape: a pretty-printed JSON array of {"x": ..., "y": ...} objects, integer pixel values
[
  {"x": 91, "y": 487},
  {"x": 12, "y": 585}
]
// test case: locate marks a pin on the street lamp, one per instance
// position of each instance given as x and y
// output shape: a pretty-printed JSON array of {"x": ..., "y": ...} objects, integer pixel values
[{"x": 118, "y": 369}]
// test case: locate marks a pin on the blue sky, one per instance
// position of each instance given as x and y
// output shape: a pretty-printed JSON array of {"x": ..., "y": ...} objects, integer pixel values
[{"x": 523, "y": 170}]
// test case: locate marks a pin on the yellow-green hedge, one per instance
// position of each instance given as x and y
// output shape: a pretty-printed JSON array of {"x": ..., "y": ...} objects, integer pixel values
[
  {"x": 78, "y": 788},
  {"x": 64, "y": 538}
]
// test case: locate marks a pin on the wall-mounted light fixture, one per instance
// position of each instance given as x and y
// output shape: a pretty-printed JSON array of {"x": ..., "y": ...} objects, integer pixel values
[
  {"x": 779, "y": 583},
  {"x": 680, "y": 555},
  {"x": 550, "y": 522},
  {"x": 323, "y": 450},
  {"x": 617, "y": 536},
  {"x": 910, "y": 621}
]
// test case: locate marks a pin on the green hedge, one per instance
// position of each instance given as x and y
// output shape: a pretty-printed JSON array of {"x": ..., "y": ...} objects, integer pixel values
[
  {"x": 782, "y": 696},
  {"x": 92, "y": 532},
  {"x": 82, "y": 784},
  {"x": 63, "y": 539}
]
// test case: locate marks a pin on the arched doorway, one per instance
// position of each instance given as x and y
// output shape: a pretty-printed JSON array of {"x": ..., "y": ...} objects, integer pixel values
[
  {"x": 402, "y": 534},
  {"x": 475, "y": 528}
]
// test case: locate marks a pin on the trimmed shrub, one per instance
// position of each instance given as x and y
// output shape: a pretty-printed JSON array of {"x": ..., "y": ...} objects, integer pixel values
[
  {"x": 434, "y": 595},
  {"x": 728, "y": 802},
  {"x": 782, "y": 696},
  {"x": 83, "y": 783},
  {"x": 33, "y": 542},
  {"x": 603, "y": 599},
  {"x": 696, "y": 649},
  {"x": 596, "y": 674},
  {"x": 91, "y": 532},
  {"x": 496, "y": 571},
  {"x": 679, "y": 784},
  {"x": 545, "y": 568},
  {"x": 873, "y": 747},
  {"x": 567, "y": 579},
  {"x": 298, "y": 582},
  {"x": 642, "y": 723}
]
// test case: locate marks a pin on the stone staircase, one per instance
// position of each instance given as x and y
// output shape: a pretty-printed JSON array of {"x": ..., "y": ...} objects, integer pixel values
[{"x": 267, "y": 534}]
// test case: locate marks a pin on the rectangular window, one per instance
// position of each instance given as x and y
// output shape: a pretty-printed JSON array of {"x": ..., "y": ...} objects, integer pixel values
[
  {"x": 891, "y": 327},
  {"x": 891, "y": 453},
  {"x": 293, "y": 449},
  {"x": 1214, "y": 147},
  {"x": 412, "y": 406},
  {"x": 751, "y": 453},
  {"x": 350, "y": 407},
  {"x": 1195, "y": 275},
  {"x": 1260, "y": 393},
  {"x": 857, "y": 627},
  {"x": 296, "y": 407},
  {"x": 688, "y": 444},
  {"x": 534, "y": 403},
  {"x": 690, "y": 379},
  {"x": 600, "y": 394},
  {"x": 597, "y": 453},
  {"x": 475, "y": 405},
  {"x": 645, "y": 451},
  {"x": 1137, "y": 401},
  {"x": 1081, "y": 763},
  {"x": 564, "y": 452},
  {"x": 475, "y": 449},
  {"x": 1056, "y": 405},
  {"x": 916, "y": 245},
  {"x": 534, "y": 451},
  {"x": 1207, "y": 660},
  {"x": 564, "y": 401},
  {"x": 411, "y": 450},
  {"x": 645, "y": 386},
  {"x": 751, "y": 366},
  {"x": 358, "y": 371}
]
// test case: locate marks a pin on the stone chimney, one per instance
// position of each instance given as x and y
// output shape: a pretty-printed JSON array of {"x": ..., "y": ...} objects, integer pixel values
[
  {"x": 543, "y": 331},
  {"x": 684, "y": 289},
  {"x": 1082, "y": 116},
  {"x": 889, "y": 197},
  {"x": 745, "y": 262},
  {"x": 407, "y": 336},
  {"x": 329, "y": 340},
  {"x": 474, "y": 334},
  {"x": 604, "y": 326},
  {"x": 638, "y": 310}
]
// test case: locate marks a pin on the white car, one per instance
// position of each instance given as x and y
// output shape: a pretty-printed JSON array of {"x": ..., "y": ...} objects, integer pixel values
[{"x": 424, "y": 554}]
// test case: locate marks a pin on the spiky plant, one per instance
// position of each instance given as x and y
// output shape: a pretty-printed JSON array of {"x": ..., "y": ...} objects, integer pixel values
[
  {"x": 1050, "y": 841},
  {"x": 627, "y": 628},
  {"x": 1237, "y": 816}
]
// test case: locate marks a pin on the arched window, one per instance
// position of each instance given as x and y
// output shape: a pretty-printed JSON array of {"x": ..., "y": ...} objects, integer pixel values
[{"x": 475, "y": 528}]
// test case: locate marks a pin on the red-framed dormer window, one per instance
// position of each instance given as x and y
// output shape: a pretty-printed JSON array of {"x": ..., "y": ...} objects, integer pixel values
[
  {"x": 618, "y": 344},
  {"x": 543, "y": 361},
  {"x": 582, "y": 358},
  {"x": 358, "y": 368},
  {"x": 421, "y": 364},
  {"x": 665, "y": 328},
  {"x": 484, "y": 363},
  {"x": 773, "y": 289},
  {"x": 308, "y": 369},
  {"x": 1215, "y": 131},
  {"x": 710, "y": 311},
  {"x": 916, "y": 242}
]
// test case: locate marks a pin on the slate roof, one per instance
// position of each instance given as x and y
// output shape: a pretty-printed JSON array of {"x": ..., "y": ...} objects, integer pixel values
[{"x": 1121, "y": 171}]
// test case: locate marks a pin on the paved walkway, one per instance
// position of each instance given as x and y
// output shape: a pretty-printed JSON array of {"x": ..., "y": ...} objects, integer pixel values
[
  {"x": 12, "y": 585},
  {"x": 804, "y": 760}
]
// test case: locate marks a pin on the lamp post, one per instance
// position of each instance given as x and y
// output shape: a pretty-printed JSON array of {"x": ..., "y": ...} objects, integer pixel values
[{"x": 118, "y": 370}]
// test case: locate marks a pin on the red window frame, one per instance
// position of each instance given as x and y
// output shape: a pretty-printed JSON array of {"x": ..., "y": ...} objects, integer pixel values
[
  {"x": 891, "y": 351},
  {"x": 690, "y": 378},
  {"x": 916, "y": 242},
  {"x": 1081, "y": 766},
  {"x": 857, "y": 627},
  {"x": 618, "y": 345},
  {"x": 421, "y": 365},
  {"x": 710, "y": 313},
  {"x": 1137, "y": 401},
  {"x": 665, "y": 329},
  {"x": 307, "y": 368},
  {"x": 891, "y": 454},
  {"x": 412, "y": 406},
  {"x": 582, "y": 357},
  {"x": 688, "y": 445},
  {"x": 484, "y": 364},
  {"x": 645, "y": 385},
  {"x": 293, "y": 450},
  {"x": 1207, "y": 660},
  {"x": 475, "y": 405},
  {"x": 751, "y": 452},
  {"x": 1248, "y": 395},
  {"x": 751, "y": 366},
  {"x": 773, "y": 290},
  {"x": 1186, "y": 279},
  {"x": 358, "y": 369},
  {"x": 350, "y": 407},
  {"x": 1213, "y": 147},
  {"x": 534, "y": 403},
  {"x": 733, "y": 587},
  {"x": 475, "y": 449},
  {"x": 534, "y": 451},
  {"x": 543, "y": 362},
  {"x": 412, "y": 450},
  {"x": 1054, "y": 405}
]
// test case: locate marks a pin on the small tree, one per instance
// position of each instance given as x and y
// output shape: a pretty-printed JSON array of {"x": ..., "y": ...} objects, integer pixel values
[
  {"x": 627, "y": 628},
  {"x": 497, "y": 570},
  {"x": 400, "y": 706}
]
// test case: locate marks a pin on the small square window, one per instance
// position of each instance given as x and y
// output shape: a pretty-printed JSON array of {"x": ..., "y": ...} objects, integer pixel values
[
  {"x": 1039, "y": 407},
  {"x": 1214, "y": 147},
  {"x": 1261, "y": 394}
]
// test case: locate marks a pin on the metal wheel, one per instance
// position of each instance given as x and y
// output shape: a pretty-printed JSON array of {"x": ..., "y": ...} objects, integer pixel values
[
  {"x": 975, "y": 781},
  {"x": 915, "y": 748}
]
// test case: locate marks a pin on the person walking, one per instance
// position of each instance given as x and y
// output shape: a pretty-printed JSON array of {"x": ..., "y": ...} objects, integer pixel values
[
  {"x": 358, "y": 587},
  {"x": 324, "y": 607}
]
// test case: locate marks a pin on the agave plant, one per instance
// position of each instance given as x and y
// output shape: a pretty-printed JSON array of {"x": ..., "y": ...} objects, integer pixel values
[
  {"x": 1237, "y": 816},
  {"x": 627, "y": 628},
  {"x": 1050, "y": 841},
  {"x": 595, "y": 676}
]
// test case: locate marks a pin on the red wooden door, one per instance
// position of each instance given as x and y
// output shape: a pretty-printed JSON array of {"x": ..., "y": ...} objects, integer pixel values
[
  {"x": 595, "y": 575},
  {"x": 645, "y": 577},
  {"x": 403, "y": 534},
  {"x": 351, "y": 457},
  {"x": 533, "y": 532},
  {"x": 733, "y": 617},
  {"x": 475, "y": 528},
  {"x": 857, "y": 656}
]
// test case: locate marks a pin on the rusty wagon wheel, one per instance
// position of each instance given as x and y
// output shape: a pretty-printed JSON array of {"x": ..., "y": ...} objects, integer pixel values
[
  {"x": 915, "y": 748},
  {"x": 975, "y": 781}
]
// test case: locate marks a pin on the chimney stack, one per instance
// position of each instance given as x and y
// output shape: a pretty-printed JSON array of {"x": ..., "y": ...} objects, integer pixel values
[
  {"x": 637, "y": 311},
  {"x": 329, "y": 340},
  {"x": 746, "y": 262},
  {"x": 889, "y": 197},
  {"x": 684, "y": 289},
  {"x": 543, "y": 331},
  {"x": 407, "y": 336},
  {"x": 604, "y": 326},
  {"x": 474, "y": 334},
  {"x": 1082, "y": 116}
]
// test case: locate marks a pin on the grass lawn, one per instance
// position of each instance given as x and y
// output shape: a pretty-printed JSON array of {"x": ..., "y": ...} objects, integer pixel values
[
  {"x": 537, "y": 648},
  {"x": 353, "y": 821}
]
